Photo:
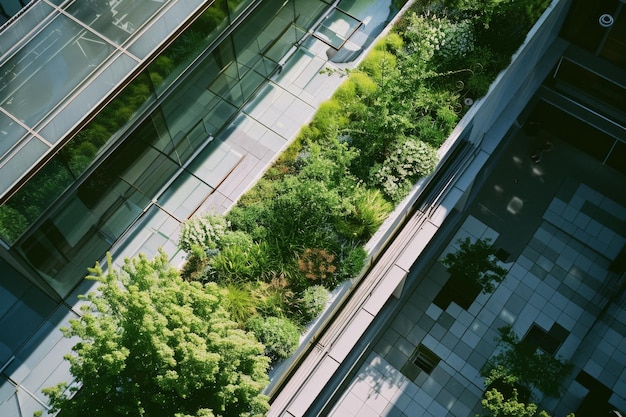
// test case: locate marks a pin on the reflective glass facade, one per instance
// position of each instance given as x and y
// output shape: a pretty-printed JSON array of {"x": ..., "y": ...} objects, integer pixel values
[{"x": 88, "y": 170}]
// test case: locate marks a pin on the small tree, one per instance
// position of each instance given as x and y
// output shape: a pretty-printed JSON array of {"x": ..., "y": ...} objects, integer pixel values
[
  {"x": 520, "y": 363},
  {"x": 475, "y": 262},
  {"x": 152, "y": 344},
  {"x": 497, "y": 405}
]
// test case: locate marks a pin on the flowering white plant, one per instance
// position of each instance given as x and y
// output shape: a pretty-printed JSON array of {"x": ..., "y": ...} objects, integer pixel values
[
  {"x": 430, "y": 35},
  {"x": 406, "y": 162},
  {"x": 204, "y": 230}
]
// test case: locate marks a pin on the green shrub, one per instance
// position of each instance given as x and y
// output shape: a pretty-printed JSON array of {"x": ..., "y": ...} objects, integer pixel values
[
  {"x": 239, "y": 264},
  {"x": 204, "y": 230},
  {"x": 195, "y": 266},
  {"x": 328, "y": 164},
  {"x": 378, "y": 64},
  {"x": 407, "y": 161},
  {"x": 237, "y": 238},
  {"x": 265, "y": 188},
  {"x": 299, "y": 214},
  {"x": 364, "y": 85},
  {"x": 280, "y": 336},
  {"x": 313, "y": 301},
  {"x": 393, "y": 43},
  {"x": 329, "y": 118},
  {"x": 447, "y": 119},
  {"x": 458, "y": 40},
  {"x": 274, "y": 298},
  {"x": 369, "y": 211},
  {"x": 429, "y": 131},
  {"x": 423, "y": 35},
  {"x": 346, "y": 92},
  {"x": 250, "y": 218},
  {"x": 240, "y": 303},
  {"x": 353, "y": 263}
]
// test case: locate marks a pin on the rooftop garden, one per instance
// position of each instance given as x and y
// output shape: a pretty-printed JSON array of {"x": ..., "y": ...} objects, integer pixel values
[{"x": 301, "y": 230}]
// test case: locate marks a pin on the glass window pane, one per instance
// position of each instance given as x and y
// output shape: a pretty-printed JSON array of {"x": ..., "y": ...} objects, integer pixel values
[
  {"x": 80, "y": 152},
  {"x": 308, "y": 11},
  {"x": 168, "y": 22},
  {"x": 236, "y": 7},
  {"x": 614, "y": 48},
  {"x": 617, "y": 157},
  {"x": 227, "y": 86},
  {"x": 581, "y": 26},
  {"x": 218, "y": 115},
  {"x": 115, "y": 20},
  {"x": 250, "y": 83},
  {"x": 10, "y": 134},
  {"x": 34, "y": 16},
  {"x": 58, "y": 59},
  {"x": 284, "y": 43},
  {"x": 36, "y": 196},
  {"x": 93, "y": 92},
  {"x": 336, "y": 28},
  {"x": 76, "y": 235}
]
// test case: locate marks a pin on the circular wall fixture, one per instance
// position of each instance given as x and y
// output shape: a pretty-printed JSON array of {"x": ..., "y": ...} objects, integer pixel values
[
  {"x": 468, "y": 101},
  {"x": 606, "y": 20}
]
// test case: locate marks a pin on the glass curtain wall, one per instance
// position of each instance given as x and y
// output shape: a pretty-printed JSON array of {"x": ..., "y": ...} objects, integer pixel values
[
  {"x": 93, "y": 206},
  {"x": 599, "y": 27}
]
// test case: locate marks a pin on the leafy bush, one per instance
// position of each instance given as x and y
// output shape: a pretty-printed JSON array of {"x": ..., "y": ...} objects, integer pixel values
[
  {"x": 205, "y": 230},
  {"x": 197, "y": 261},
  {"x": 303, "y": 223},
  {"x": 275, "y": 298},
  {"x": 238, "y": 264},
  {"x": 353, "y": 263},
  {"x": 391, "y": 43},
  {"x": 439, "y": 37},
  {"x": 280, "y": 336},
  {"x": 328, "y": 118},
  {"x": 240, "y": 303},
  {"x": 407, "y": 161},
  {"x": 495, "y": 404},
  {"x": 295, "y": 218},
  {"x": 378, "y": 64},
  {"x": 358, "y": 87},
  {"x": 236, "y": 238},
  {"x": 369, "y": 211},
  {"x": 313, "y": 301}
]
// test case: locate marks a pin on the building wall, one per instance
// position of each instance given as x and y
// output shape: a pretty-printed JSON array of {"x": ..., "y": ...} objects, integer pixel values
[{"x": 113, "y": 170}]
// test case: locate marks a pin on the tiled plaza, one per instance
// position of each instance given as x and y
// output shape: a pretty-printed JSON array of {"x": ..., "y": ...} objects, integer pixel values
[{"x": 558, "y": 277}]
